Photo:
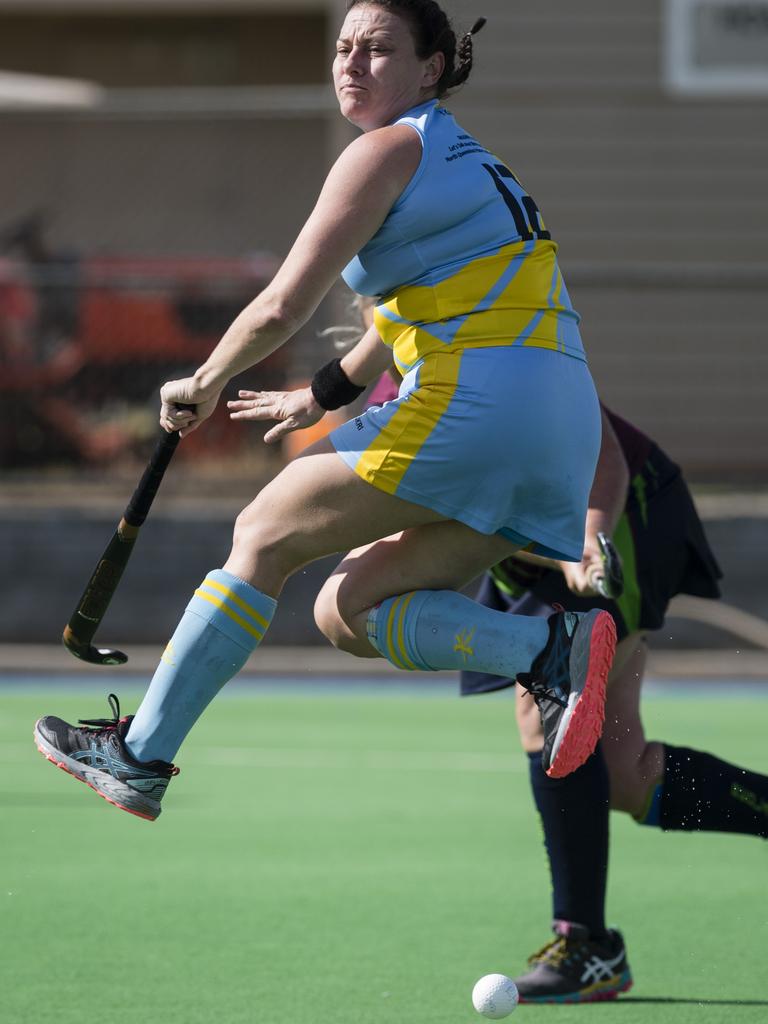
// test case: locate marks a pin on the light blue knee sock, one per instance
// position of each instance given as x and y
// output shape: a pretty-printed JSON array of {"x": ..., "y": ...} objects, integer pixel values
[
  {"x": 223, "y": 623},
  {"x": 440, "y": 629}
]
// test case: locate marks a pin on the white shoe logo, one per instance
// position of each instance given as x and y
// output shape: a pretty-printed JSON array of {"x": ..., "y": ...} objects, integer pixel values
[{"x": 597, "y": 969}]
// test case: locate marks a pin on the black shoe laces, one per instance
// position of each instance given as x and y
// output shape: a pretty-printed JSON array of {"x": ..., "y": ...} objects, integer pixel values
[
  {"x": 554, "y": 952},
  {"x": 539, "y": 690},
  {"x": 110, "y": 724},
  {"x": 103, "y": 724},
  {"x": 558, "y": 952}
]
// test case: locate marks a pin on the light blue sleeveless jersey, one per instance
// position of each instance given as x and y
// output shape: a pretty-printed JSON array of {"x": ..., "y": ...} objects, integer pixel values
[{"x": 463, "y": 256}]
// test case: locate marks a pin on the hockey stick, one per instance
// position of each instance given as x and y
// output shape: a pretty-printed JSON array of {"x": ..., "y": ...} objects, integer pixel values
[
  {"x": 607, "y": 578},
  {"x": 92, "y": 606},
  {"x": 610, "y": 581}
]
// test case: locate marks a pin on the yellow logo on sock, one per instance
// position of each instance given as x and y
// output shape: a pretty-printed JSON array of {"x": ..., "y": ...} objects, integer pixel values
[{"x": 463, "y": 640}]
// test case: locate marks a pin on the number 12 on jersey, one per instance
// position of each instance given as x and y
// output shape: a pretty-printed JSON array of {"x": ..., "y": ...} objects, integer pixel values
[{"x": 525, "y": 212}]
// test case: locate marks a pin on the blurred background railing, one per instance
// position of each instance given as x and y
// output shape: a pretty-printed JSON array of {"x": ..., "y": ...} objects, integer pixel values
[{"x": 85, "y": 344}]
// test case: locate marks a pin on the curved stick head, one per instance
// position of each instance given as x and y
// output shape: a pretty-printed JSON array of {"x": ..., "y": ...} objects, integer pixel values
[{"x": 93, "y": 655}]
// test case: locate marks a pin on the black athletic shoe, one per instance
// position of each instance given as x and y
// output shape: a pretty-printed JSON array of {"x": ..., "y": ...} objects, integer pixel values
[
  {"x": 94, "y": 752},
  {"x": 573, "y": 968},
  {"x": 567, "y": 681}
]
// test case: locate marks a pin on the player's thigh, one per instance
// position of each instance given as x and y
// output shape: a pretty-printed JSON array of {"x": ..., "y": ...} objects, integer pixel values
[
  {"x": 435, "y": 556},
  {"x": 315, "y": 507}
]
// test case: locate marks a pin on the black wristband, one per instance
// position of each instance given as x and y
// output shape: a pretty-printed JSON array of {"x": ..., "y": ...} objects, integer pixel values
[{"x": 332, "y": 388}]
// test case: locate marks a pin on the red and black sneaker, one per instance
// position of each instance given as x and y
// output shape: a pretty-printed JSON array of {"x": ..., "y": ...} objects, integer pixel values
[
  {"x": 567, "y": 681},
  {"x": 94, "y": 752},
  {"x": 575, "y": 968}
]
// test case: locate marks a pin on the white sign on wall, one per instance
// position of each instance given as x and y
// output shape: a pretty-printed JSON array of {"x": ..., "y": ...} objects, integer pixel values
[{"x": 716, "y": 47}]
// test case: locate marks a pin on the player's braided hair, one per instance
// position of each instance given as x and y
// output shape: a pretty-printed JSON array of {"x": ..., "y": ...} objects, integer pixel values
[{"x": 433, "y": 33}]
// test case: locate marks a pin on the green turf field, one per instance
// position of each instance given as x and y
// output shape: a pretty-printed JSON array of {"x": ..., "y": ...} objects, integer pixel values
[{"x": 357, "y": 859}]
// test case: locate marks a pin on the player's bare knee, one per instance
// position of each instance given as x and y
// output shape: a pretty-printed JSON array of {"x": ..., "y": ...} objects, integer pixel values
[
  {"x": 332, "y": 623},
  {"x": 264, "y": 542},
  {"x": 254, "y": 537},
  {"x": 327, "y": 618}
]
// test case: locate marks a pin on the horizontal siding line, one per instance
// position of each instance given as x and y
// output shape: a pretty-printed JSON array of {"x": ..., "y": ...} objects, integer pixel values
[
  {"x": 743, "y": 338},
  {"x": 655, "y": 103},
  {"x": 581, "y": 50},
  {"x": 694, "y": 175},
  {"x": 718, "y": 206},
  {"x": 647, "y": 135},
  {"x": 715, "y": 235},
  {"x": 746, "y": 338},
  {"x": 622, "y": 21},
  {"x": 753, "y": 414},
  {"x": 660, "y": 144},
  {"x": 666, "y": 274},
  {"x": 680, "y": 360},
  {"x": 547, "y": 84},
  {"x": 603, "y": 325},
  {"x": 748, "y": 357}
]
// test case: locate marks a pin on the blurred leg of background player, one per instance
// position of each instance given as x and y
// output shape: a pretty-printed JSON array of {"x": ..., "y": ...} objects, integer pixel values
[{"x": 664, "y": 552}]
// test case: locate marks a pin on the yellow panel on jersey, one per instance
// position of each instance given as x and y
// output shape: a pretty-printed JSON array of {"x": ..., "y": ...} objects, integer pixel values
[
  {"x": 515, "y": 296},
  {"x": 392, "y": 453}
]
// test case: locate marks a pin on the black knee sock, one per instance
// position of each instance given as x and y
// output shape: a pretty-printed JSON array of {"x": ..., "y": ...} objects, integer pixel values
[
  {"x": 701, "y": 793},
  {"x": 574, "y": 813}
]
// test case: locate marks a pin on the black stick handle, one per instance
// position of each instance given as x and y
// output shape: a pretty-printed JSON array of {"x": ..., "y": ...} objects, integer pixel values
[{"x": 138, "y": 507}]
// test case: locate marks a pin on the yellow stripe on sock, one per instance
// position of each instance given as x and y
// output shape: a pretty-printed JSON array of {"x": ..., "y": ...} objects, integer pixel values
[
  {"x": 400, "y": 637},
  {"x": 241, "y": 604},
  {"x": 221, "y": 605},
  {"x": 390, "y": 635}
]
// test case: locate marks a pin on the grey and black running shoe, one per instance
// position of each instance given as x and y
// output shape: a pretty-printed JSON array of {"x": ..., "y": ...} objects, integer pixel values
[
  {"x": 573, "y": 968},
  {"x": 94, "y": 752},
  {"x": 567, "y": 680}
]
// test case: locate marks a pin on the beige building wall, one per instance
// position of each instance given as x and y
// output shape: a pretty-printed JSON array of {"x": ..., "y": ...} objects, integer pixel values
[
  {"x": 193, "y": 185},
  {"x": 170, "y": 163}
]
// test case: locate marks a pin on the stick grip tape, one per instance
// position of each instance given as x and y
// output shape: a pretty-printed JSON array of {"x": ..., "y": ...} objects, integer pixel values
[{"x": 138, "y": 507}]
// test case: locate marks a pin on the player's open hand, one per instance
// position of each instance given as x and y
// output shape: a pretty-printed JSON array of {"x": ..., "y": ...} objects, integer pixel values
[{"x": 293, "y": 410}]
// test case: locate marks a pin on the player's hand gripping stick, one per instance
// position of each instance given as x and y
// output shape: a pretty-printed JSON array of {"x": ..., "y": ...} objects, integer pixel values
[
  {"x": 609, "y": 581},
  {"x": 98, "y": 592}
]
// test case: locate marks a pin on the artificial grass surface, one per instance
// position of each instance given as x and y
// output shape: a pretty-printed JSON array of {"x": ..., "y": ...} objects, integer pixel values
[{"x": 351, "y": 859}]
